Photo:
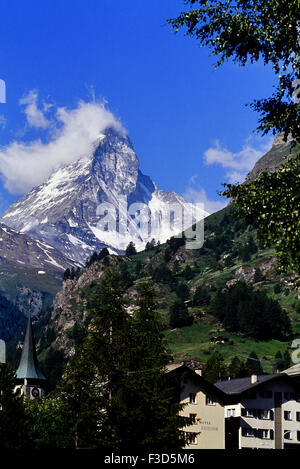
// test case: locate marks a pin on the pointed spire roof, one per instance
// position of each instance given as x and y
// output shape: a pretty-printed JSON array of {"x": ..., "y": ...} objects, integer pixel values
[{"x": 28, "y": 367}]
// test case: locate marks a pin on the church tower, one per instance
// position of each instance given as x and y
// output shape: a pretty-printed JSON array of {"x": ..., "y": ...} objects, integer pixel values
[{"x": 28, "y": 376}]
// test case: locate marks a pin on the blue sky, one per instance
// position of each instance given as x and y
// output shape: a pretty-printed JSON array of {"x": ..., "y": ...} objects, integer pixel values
[{"x": 162, "y": 87}]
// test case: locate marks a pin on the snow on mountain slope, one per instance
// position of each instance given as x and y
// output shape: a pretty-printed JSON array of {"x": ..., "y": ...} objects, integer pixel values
[
  {"x": 19, "y": 248},
  {"x": 101, "y": 200}
]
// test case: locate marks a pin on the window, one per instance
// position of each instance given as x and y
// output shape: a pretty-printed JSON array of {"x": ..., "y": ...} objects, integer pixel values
[
  {"x": 230, "y": 413},
  {"x": 298, "y": 436},
  {"x": 192, "y": 398},
  {"x": 193, "y": 418},
  {"x": 209, "y": 400},
  {"x": 265, "y": 434},
  {"x": 287, "y": 434},
  {"x": 266, "y": 394},
  {"x": 265, "y": 414},
  {"x": 250, "y": 413},
  {"x": 287, "y": 415},
  {"x": 298, "y": 416},
  {"x": 248, "y": 432}
]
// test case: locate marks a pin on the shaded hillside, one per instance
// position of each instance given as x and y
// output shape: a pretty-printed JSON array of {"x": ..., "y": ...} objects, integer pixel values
[
  {"x": 29, "y": 269},
  {"x": 12, "y": 320}
]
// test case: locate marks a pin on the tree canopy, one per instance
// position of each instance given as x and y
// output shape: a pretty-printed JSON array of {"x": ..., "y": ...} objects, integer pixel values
[
  {"x": 116, "y": 393},
  {"x": 272, "y": 203},
  {"x": 242, "y": 309}
]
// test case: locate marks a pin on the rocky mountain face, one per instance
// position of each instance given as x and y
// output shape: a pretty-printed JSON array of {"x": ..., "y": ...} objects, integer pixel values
[
  {"x": 280, "y": 152},
  {"x": 29, "y": 269},
  {"x": 96, "y": 202},
  {"x": 17, "y": 247},
  {"x": 69, "y": 306}
]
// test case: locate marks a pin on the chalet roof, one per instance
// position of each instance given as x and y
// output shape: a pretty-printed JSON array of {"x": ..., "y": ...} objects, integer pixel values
[
  {"x": 28, "y": 367},
  {"x": 239, "y": 385},
  {"x": 185, "y": 371}
]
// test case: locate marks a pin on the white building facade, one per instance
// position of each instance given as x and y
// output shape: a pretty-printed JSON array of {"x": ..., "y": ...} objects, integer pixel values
[{"x": 262, "y": 412}]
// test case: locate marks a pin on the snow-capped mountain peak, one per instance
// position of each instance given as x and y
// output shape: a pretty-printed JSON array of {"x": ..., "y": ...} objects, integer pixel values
[{"x": 101, "y": 200}]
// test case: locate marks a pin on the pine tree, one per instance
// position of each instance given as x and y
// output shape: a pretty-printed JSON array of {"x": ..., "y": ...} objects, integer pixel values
[
  {"x": 234, "y": 366},
  {"x": 67, "y": 274},
  {"x": 242, "y": 371},
  {"x": 287, "y": 359},
  {"x": 13, "y": 425},
  {"x": 150, "y": 245},
  {"x": 117, "y": 391},
  {"x": 254, "y": 365},
  {"x": 179, "y": 316},
  {"x": 152, "y": 418},
  {"x": 214, "y": 369},
  {"x": 201, "y": 296},
  {"x": 81, "y": 397},
  {"x": 130, "y": 250},
  {"x": 103, "y": 253},
  {"x": 92, "y": 259},
  {"x": 182, "y": 291},
  {"x": 162, "y": 273},
  {"x": 94, "y": 374},
  {"x": 188, "y": 273},
  {"x": 258, "y": 275}
]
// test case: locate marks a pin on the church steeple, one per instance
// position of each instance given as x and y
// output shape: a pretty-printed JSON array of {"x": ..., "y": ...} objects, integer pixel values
[{"x": 28, "y": 370}]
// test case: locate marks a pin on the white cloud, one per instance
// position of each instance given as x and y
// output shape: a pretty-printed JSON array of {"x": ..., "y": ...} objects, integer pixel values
[
  {"x": 71, "y": 136},
  {"x": 238, "y": 164},
  {"x": 198, "y": 195},
  {"x": 35, "y": 117}
]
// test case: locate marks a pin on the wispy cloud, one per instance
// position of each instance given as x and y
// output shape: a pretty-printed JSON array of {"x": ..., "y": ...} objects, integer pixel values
[
  {"x": 35, "y": 117},
  {"x": 3, "y": 121},
  {"x": 71, "y": 134},
  {"x": 198, "y": 195},
  {"x": 240, "y": 163}
]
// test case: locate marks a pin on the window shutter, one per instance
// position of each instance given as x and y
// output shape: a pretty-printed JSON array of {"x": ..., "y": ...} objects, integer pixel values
[
  {"x": 272, "y": 434},
  {"x": 271, "y": 414},
  {"x": 259, "y": 434}
]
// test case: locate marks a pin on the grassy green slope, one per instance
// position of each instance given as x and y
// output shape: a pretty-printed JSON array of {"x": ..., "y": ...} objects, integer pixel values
[{"x": 194, "y": 341}]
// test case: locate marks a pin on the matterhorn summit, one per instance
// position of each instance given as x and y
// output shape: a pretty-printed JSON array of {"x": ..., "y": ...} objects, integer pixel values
[{"x": 100, "y": 200}]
